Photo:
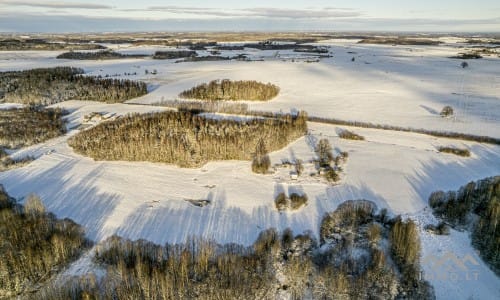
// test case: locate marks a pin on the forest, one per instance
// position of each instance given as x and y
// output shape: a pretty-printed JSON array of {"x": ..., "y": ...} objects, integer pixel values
[
  {"x": 185, "y": 138},
  {"x": 13, "y": 44},
  {"x": 99, "y": 55},
  {"x": 174, "y": 54},
  {"x": 232, "y": 90},
  {"x": 354, "y": 263},
  {"x": 30, "y": 125},
  {"x": 476, "y": 207},
  {"x": 52, "y": 85},
  {"x": 35, "y": 245}
]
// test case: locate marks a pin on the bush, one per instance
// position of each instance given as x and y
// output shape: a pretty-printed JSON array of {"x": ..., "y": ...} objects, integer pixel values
[
  {"x": 299, "y": 167},
  {"x": 349, "y": 135},
  {"x": 297, "y": 201},
  {"x": 456, "y": 151},
  {"x": 446, "y": 111},
  {"x": 281, "y": 202},
  {"x": 232, "y": 90},
  {"x": 331, "y": 175}
]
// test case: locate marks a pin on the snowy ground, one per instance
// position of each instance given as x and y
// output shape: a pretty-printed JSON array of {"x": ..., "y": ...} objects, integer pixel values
[{"x": 402, "y": 85}]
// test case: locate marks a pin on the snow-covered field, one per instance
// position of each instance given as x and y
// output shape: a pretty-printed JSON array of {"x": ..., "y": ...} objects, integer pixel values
[{"x": 403, "y": 85}]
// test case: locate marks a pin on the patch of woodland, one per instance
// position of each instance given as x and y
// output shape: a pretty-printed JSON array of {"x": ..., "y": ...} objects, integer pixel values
[
  {"x": 30, "y": 125},
  {"x": 35, "y": 245},
  {"x": 53, "y": 85},
  {"x": 455, "y": 150},
  {"x": 400, "y": 41},
  {"x": 240, "y": 57},
  {"x": 185, "y": 138},
  {"x": 229, "y": 90},
  {"x": 42, "y": 44},
  {"x": 475, "y": 207},
  {"x": 469, "y": 55},
  {"x": 7, "y": 163},
  {"x": 99, "y": 55},
  {"x": 174, "y": 54},
  {"x": 371, "y": 257},
  {"x": 277, "y": 45},
  {"x": 327, "y": 164}
]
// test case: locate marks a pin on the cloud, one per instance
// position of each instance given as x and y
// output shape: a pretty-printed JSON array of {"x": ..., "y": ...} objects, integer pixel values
[
  {"x": 57, "y": 5},
  {"x": 56, "y": 23},
  {"x": 261, "y": 12}
]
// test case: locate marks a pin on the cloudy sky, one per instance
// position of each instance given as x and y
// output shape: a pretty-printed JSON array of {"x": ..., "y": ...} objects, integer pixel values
[{"x": 271, "y": 15}]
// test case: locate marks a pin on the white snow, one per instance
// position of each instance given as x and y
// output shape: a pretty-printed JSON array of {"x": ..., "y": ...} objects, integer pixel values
[{"x": 403, "y": 85}]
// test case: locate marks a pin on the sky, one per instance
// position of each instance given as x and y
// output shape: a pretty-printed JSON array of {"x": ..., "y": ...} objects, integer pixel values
[{"x": 249, "y": 15}]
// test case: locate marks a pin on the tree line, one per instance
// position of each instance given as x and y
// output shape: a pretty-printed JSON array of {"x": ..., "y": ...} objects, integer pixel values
[
  {"x": 232, "y": 90},
  {"x": 35, "y": 245},
  {"x": 354, "y": 263},
  {"x": 184, "y": 138},
  {"x": 475, "y": 206},
  {"x": 52, "y": 85}
]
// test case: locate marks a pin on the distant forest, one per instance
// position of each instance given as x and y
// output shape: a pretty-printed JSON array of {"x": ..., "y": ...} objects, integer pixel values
[
  {"x": 99, "y": 55},
  {"x": 41, "y": 44},
  {"x": 184, "y": 138},
  {"x": 232, "y": 90},
  {"x": 29, "y": 126},
  {"x": 53, "y": 85}
]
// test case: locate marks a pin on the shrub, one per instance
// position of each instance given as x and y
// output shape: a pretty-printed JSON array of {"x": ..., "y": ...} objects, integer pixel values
[
  {"x": 299, "y": 167},
  {"x": 446, "y": 111},
  {"x": 297, "y": 201},
  {"x": 331, "y": 175},
  {"x": 349, "y": 135},
  {"x": 261, "y": 161},
  {"x": 456, "y": 151},
  {"x": 281, "y": 202},
  {"x": 232, "y": 90}
]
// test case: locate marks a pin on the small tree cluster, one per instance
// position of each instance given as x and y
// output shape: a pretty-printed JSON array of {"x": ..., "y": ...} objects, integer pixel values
[
  {"x": 294, "y": 202},
  {"x": 456, "y": 151},
  {"x": 232, "y": 90},
  {"x": 261, "y": 161}
]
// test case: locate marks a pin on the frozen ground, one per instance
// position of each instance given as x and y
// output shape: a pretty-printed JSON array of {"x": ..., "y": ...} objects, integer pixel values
[
  {"x": 404, "y": 86},
  {"x": 396, "y": 85}
]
